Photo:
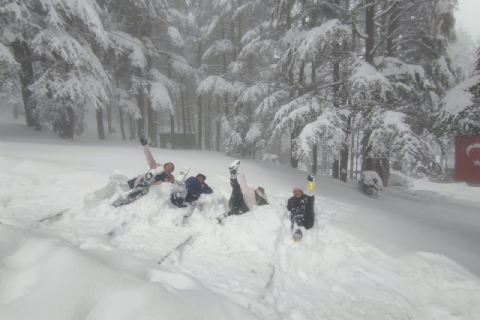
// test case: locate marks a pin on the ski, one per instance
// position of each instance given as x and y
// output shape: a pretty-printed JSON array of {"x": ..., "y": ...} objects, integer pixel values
[
  {"x": 53, "y": 216},
  {"x": 175, "y": 249}
]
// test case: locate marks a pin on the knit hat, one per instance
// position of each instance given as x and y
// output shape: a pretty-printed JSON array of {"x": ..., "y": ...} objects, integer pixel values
[
  {"x": 201, "y": 175},
  {"x": 297, "y": 188},
  {"x": 173, "y": 166}
]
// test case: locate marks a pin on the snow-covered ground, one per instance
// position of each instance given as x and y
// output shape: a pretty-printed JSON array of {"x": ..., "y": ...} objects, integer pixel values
[
  {"x": 410, "y": 254},
  {"x": 457, "y": 190}
]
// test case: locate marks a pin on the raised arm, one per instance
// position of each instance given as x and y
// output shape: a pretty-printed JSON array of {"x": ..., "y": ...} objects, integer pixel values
[{"x": 148, "y": 155}]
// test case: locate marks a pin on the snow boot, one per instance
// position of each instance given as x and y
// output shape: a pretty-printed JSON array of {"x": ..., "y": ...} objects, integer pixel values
[
  {"x": 233, "y": 168},
  {"x": 297, "y": 235},
  {"x": 311, "y": 182},
  {"x": 182, "y": 175}
]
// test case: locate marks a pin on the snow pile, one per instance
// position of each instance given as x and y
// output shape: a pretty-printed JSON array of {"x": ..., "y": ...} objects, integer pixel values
[{"x": 45, "y": 277}]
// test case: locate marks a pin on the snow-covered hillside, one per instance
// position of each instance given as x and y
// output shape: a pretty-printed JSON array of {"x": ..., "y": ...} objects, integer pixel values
[{"x": 406, "y": 255}]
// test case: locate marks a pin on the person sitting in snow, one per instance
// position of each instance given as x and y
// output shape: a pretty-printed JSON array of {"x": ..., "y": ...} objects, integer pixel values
[
  {"x": 243, "y": 198},
  {"x": 189, "y": 193},
  {"x": 301, "y": 208},
  {"x": 196, "y": 186},
  {"x": 164, "y": 175}
]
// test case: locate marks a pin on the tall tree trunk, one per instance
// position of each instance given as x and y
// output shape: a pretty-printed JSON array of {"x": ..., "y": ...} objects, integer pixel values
[
  {"x": 352, "y": 154},
  {"x": 370, "y": 31},
  {"x": 335, "y": 168},
  {"x": 189, "y": 112},
  {"x": 315, "y": 156},
  {"x": 15, "y": 111},
  {"x": 24, "y": 55},
  {"x": 120, "y": 112},
  {"x": 336, "y": 89},
  {"x": 183, "y": 112},
  {"x": 70, "y": 127},
  {"x": 172, "y": 130},
  {"x": 109, "y": 119},
  {"x": 100, "y": 129},
  {"x": 199, "y": 143},
  {"x": 208, "y": 133},
  {"x": 218, "y": 124},
  {"x": 141, "y": 121},
  {"x": 344, "y": 163},
  {"x": 293, "y": 136},
  {"x": 368, "y": 162},
  {"x": 122, "y": 127},
  {"x": 344, "y": 152}
]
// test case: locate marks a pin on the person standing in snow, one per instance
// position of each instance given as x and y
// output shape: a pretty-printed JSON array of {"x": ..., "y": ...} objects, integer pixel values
[
  {"x": 243, "y": 198},
  {"x": 301, "y": 208},
  {"x": 165, "y": 174}
]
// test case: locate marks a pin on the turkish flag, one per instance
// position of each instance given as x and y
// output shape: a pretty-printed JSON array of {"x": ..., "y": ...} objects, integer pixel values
[{"x": 467, "y": 159}]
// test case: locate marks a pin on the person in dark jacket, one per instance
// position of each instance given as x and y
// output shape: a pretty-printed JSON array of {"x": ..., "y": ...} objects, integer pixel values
[
  {"x": 301, "y": 208},
  {"x": 196, "y": 186},
  {"x": 243, "y": 198}
]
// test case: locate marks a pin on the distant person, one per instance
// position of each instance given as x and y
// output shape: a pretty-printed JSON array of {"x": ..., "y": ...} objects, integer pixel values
[
  {"x": 243, "y": 198},
  {"x": 301, "y": 208},
  {"x": 165, "y": 175}
]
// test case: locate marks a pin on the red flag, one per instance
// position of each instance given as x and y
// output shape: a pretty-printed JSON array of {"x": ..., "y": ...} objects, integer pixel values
[{"x": 467, "y": 159}]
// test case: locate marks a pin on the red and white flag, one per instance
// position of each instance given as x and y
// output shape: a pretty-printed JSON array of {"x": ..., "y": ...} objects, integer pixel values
[{"x": 467, "y": 159}]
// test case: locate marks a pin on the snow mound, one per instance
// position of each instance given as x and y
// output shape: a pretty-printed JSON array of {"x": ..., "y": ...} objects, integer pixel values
[{"x": 47, "y": 278}]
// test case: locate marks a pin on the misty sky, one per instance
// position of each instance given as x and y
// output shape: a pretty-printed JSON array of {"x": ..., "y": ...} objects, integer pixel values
[{"x": 469, "y": 16}]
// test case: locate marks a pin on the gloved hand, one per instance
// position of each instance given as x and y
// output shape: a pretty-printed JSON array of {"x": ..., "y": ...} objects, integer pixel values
[
  {"x": 143, "y": 141},
  {"x": 311, "y": 178}
]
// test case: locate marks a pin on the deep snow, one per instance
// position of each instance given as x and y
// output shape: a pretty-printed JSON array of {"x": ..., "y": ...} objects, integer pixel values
[{"x": 409, "y": 254}]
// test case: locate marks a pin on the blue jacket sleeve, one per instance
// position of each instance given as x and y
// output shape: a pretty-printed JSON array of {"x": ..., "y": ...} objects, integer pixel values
[
  {"x": 193, "y": 186},
  {"x": 207, "y": 189}
]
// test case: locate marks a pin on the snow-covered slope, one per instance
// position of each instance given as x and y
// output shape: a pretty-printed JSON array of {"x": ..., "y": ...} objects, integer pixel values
[{"x": 406, "y": 255}]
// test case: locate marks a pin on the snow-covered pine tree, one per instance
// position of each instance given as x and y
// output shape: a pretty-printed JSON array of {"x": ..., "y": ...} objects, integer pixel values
[
  {"x": 155, "y": 64},
  {"x": 460, "y": 108},
  {"x": 9, "y": 76},
  {"x": 17, "y": 27},
  {"x": 72, "y": 78}
]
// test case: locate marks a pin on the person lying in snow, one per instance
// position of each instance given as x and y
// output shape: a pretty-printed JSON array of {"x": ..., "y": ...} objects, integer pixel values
[
  {"x": 180, "y": 191},
  {"x": 141, "y": 188},
  {"x": 196, "y": 186},
  {"x": 189, "y": 192},
  {"x": 166, "y": 169},
  {"x": 243, "y": 198},
  {"x": 301, "y": 208}
]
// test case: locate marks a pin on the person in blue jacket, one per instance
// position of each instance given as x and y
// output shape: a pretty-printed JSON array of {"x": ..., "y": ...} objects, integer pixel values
[{"x": 196, "y": 186}]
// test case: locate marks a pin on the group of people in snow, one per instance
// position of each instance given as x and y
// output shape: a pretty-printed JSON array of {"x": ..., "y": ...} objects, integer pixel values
[{"x": 186, "y": 192}]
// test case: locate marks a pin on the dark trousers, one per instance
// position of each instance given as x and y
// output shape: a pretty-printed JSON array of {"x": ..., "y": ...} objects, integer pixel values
[
  {"x": 310, "y": 212},
  {"x": 136, "y": 193},
  {"x": 237, "y": 205},
  {"x": 304, "y": 218}
]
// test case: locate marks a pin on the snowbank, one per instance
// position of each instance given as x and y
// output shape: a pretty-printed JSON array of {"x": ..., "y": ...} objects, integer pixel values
[{"x": 44, "y": 277}]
